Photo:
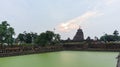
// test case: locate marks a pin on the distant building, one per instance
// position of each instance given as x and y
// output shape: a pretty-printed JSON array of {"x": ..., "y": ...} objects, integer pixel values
[{"x": 79, "y": 35}]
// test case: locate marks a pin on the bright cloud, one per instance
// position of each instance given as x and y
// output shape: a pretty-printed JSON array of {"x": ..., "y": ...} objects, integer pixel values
[
  {"x": 66, "y": 27},
  {"x": 95, "y": 12},
  {"x": 74, "y": 23}
]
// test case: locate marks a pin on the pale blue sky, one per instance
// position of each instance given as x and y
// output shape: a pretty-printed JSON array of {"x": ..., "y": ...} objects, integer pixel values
[{"x": 98, "y": 16}]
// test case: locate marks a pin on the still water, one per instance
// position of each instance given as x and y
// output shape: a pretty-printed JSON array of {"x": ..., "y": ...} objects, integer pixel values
[{"x": 62, "y": 59}]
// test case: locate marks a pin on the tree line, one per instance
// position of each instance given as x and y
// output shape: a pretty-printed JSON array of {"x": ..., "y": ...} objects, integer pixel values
[
  {"x": 114, "y": 37},
  {"x": 106, "y": 37},
  {"x": 45, "y": 38}
]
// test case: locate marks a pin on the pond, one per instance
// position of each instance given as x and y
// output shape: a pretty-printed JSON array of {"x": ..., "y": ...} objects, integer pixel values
[{"x": 62, "y": 59}]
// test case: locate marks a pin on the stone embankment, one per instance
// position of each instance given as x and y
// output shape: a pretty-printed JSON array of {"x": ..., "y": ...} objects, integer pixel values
[
  {"x": 16, "y": 51},
  {"x": 72, "y": 46}
]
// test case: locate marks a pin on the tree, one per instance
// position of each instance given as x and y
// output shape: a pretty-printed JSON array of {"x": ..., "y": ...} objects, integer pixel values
[
  {"x": 6, "y": 33},
  {"x": 57, "y": 38},
  {"x": 107, "y": 38},
  {"x": 34, "y": 36},
  {"x": 3, "y": 30},
  {"x": 114, "y": 37},
  {"x": 47, "y": 38},
  {"x": 41, "y": 39},
  {"x": 115, "y": 33},
  {"x": 9, "y": 34},
  {"x": 21, "y": 38},
  {"x": 27, "y": 37}
]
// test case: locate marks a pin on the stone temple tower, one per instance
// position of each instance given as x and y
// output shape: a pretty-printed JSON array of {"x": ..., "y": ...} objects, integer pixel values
[{"x": 79, "y": 35}]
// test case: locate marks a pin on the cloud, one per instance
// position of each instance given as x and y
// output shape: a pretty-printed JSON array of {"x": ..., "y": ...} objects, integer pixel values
[
  {"x": 66, "y": 27},
  {"x": 96, "y": 11},
  {"x": 109, "y": 2},
  {"x": 74, "y": 23}
]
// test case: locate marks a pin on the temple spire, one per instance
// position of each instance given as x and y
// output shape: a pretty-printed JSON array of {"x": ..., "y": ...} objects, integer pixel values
[{"x": 79, "y": 35}]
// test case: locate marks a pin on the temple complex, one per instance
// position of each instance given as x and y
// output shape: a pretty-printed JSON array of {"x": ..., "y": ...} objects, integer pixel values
[{"x": 79, "y": 35}]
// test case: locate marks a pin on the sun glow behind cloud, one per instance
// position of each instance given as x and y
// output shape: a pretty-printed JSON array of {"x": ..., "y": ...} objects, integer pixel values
[
  {"x": 74, "y": 23},
  {"x": 96, "y": 11}
]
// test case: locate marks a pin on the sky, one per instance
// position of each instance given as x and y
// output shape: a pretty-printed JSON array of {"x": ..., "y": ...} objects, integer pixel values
[{"x": 94, "y": 17}]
